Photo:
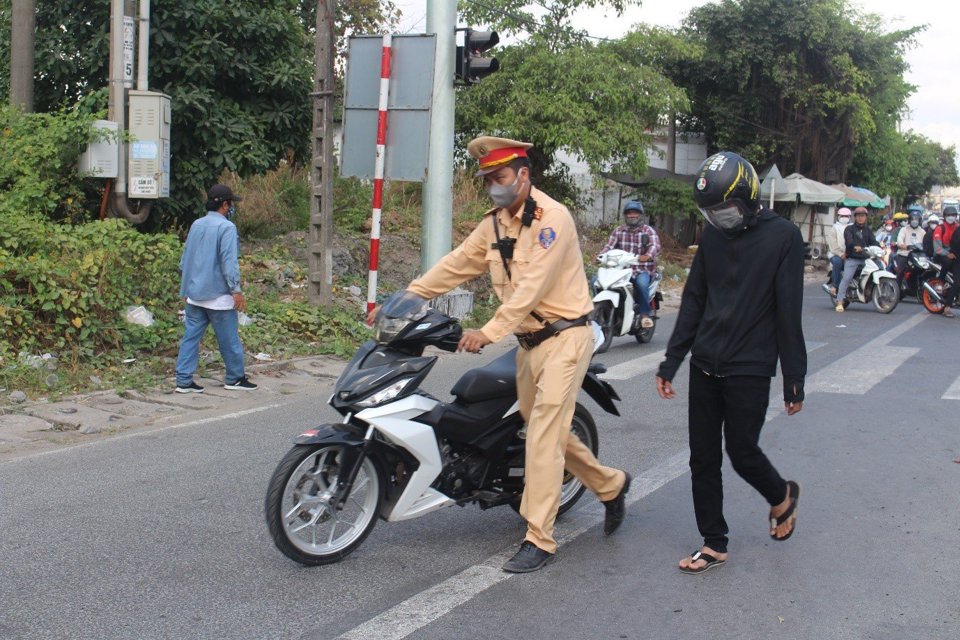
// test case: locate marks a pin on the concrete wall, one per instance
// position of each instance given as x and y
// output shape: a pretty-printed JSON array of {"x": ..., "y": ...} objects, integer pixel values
[{"x": 606, "y": 197}]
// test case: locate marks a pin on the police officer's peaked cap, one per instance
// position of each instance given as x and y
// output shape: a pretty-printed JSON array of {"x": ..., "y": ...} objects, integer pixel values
[{"x": 493, "y": 153}]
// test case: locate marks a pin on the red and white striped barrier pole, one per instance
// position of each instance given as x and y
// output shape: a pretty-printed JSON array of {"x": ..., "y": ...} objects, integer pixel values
[{"x": 378, "y": 171}]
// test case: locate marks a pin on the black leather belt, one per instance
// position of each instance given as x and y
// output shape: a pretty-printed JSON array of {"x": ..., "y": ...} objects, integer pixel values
[{"x": 534, "y": 338}]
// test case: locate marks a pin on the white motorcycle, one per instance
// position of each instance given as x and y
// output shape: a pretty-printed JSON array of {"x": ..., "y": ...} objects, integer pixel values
[
  {"x": 871, "y": 282},
  {"x": 613, "y": 298}
]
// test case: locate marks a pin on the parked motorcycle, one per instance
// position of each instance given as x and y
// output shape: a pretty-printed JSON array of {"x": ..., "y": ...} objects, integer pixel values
[
  {"x": 613, "y": 298},
  {"x": 919, "y": 269},
  {"x": 871, "y": 282},
  {"x": 400, "y": 453}
]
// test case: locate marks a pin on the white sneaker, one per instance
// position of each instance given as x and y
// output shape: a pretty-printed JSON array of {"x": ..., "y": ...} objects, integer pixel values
[
  {"x": 839, "y": 307},
  {"x": 243, "y": 384}
]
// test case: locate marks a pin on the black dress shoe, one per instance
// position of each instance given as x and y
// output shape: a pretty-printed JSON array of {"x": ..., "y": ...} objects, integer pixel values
[
  {"x": 616, "y": 508},
  {"x": 529, "y": 558}
]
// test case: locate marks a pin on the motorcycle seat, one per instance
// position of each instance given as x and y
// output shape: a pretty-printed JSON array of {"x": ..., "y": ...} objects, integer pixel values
[{"x": 496, "y": 379}]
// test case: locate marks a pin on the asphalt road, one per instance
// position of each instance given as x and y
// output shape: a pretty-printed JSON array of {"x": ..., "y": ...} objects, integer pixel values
[{"x": 161, "y": 534}]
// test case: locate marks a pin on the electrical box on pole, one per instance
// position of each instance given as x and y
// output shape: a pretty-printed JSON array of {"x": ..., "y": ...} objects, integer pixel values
[{"x": 149, "y": 148}]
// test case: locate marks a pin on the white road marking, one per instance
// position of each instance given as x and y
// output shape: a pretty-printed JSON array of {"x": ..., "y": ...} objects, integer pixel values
[
  {"x": 635, "y": 367},
  {"x": 137, "y": 434},
  {"x": 953, "y": 392},
  {"x": 861, "y": 370},
  {"x": 407, "y": 617}
]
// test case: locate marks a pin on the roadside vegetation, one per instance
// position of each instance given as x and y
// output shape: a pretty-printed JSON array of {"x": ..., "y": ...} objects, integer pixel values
[{"x": 820, "y": 91}]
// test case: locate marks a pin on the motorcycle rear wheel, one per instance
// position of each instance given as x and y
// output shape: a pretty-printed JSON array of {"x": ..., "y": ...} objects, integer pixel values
[
  {"x": 584, "y": 427},
  {"x": 886, "y": 295},
  {"x": 930, "y": 303},
  {"x": 303, "y": 523},
  {"x": 604, "y": 316}
]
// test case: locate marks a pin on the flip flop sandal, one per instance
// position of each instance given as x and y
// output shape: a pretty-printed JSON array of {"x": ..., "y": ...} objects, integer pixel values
[
  {"x": 699, "y": 555},
  {"x": 790, "y": 513},
  {"x": 646, "y": 323}
]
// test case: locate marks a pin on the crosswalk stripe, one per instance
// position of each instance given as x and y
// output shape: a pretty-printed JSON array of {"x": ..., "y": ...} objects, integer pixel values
[
  {"x": 861, "y": 370},
  {"x": 635, "y": 367},
  {"x": 953, "y": 392}
]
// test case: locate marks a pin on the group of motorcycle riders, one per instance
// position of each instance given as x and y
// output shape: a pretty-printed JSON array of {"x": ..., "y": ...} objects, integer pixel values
[{"x": 900, "y": 233}]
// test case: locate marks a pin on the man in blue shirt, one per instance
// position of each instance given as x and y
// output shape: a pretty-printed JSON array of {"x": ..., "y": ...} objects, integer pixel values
[{"x": 210, "y": 284}]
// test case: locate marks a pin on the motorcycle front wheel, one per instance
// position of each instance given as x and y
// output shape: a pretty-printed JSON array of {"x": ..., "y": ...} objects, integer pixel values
[
  {"x": 644, "y": 336},
  {"x": 930, "y": 303},
  {"x": 572, "y": 489},
  {"x": 302, "y": 521},
  {"x": 604, "y": 316},
  {"x": 886, "y": 295}
]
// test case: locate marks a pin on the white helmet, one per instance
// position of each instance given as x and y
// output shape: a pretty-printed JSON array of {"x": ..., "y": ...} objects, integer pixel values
[{"x": 934, "y": 219}]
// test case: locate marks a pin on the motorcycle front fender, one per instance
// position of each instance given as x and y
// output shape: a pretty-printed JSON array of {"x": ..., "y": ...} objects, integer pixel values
[
  {"x": 607, "y": 296},
  {"x": 331, "y": 434},
  {"x": 601, "y": 391},
  {"x": 877, "y": 276}
]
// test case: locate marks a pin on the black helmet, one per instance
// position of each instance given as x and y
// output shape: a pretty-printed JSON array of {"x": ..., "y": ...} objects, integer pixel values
[
  {"x": 727, "y": 192},
  {"x": 637, "y": 207}
]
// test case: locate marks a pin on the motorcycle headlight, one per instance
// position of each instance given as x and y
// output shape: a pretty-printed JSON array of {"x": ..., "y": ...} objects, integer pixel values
[
  {"x": 388, "y": 328},
  {"x": 924, "y": 263},
  {"x": 385, "y": 395}
]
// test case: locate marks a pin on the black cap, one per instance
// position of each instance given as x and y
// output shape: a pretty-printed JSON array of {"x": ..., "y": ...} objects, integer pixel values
[{"x": 222, "y": 193}]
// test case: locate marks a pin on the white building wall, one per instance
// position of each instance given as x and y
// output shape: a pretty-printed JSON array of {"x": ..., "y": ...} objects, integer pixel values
[{"x": 606, "y": 197}]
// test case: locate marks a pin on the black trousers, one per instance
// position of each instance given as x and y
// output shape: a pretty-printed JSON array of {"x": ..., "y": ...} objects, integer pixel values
[{"x": 732, "y": 408}]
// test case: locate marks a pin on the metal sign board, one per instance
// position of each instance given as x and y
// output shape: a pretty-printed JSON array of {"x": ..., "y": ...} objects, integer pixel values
[{"x": 408, "y": 107}]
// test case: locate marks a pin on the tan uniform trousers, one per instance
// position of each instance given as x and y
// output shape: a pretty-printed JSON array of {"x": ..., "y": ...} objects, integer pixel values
[{"x": 548, "y": 381}]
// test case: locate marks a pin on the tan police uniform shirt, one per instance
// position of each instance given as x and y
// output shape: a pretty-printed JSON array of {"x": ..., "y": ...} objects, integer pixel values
[{"x": 547, "y": 269}]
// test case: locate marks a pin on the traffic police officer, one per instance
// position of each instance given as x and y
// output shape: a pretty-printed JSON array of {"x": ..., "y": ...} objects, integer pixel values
[{"x": 529, "y": 244}]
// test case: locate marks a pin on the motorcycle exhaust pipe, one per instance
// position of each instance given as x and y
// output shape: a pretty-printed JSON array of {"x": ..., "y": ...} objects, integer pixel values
[{"x": 933, "y": 292}]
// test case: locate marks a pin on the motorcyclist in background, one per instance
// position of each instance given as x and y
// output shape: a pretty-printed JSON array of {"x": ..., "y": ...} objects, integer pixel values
[
  {"x": 932, "y": 223},
  {"x": 884, "y": 235},
  {"x": 835, "y": 247},
  {"x": 856, "y": 238},
  {"x": 900, "y": 221},
  {"x": 945, "y": 249},
  {"x": 907, "y": 236},
  {"x": 629, "y": 237}
]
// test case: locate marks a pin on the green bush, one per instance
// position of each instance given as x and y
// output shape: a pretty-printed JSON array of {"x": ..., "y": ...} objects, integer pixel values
[
  {"x": 64, "y": 288},
  {"x": 38, "y": 154}
]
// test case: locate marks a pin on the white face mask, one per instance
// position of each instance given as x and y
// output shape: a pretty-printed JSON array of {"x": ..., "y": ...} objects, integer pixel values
[
  {"x": 843, "y": 221},
  {"x": 504, "y": 195},
  {"x": 950, "y": 219},
  {"x": 914, "y": 223},
  {"x": 889, "y": 227}
]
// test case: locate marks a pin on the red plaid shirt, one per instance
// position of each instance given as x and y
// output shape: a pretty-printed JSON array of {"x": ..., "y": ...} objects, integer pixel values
[{"x": 628, "y": 239}]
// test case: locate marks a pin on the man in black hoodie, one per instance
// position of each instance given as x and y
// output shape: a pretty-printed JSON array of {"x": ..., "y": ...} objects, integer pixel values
[{"x": 740, "y": 312}]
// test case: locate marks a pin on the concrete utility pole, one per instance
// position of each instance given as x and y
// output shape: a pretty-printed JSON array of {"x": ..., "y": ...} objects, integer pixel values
[
  {"x": 121, "y": 71},
  {"x": 320, "y": 260},
  {"x": 437, "y": 230},
  {"x": 23, "y": 21}
]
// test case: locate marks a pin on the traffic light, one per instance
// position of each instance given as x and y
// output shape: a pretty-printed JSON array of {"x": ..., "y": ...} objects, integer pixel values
[{"x": 471, "y": 65}]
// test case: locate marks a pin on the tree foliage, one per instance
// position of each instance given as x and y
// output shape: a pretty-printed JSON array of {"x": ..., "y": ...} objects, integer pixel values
[
  {"x": 561, "y": 90},
  {"x": 798, "y": 83},
  {"x": 239, "y": 75}
]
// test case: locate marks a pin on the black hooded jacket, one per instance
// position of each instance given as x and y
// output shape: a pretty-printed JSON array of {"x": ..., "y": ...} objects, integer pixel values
[{"x": 741, "y": 306}]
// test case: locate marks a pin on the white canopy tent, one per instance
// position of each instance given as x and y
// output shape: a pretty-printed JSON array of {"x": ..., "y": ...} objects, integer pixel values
[{"x": 812, "y": 206}]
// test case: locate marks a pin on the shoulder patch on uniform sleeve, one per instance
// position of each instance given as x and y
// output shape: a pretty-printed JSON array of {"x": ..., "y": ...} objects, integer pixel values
[{"x": 547, "y": 237}]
